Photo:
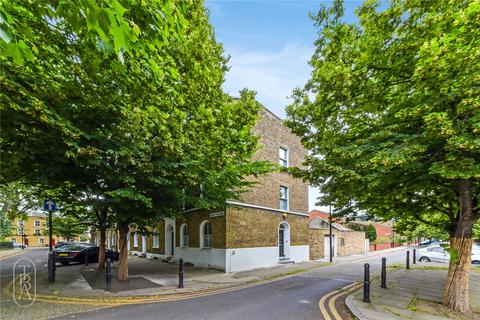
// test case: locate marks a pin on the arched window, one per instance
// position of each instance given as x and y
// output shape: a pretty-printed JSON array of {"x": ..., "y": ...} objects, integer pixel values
[
  {"x": 206, "y": 234},
  {"x": 156, "y": 239},
  {"x": 184, "y": 241}
]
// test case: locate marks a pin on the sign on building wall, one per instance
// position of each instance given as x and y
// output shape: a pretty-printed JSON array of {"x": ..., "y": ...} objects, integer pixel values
[{"x": 217, "y": 214}]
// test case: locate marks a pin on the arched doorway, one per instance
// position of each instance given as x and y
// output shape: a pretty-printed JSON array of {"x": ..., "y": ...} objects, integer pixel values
[
  {"x": 170, "y": 241},
  {"x": 284, "y": 240}
]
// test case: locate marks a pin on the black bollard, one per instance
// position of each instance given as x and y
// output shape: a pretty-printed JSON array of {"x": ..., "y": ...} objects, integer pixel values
[
  {"x": 366, "y": 283},
  {"x": 414, "y": 256},
  {"x": 51, "y": 267},
  {"x": 108, "y": 270},
  {"x": 180, "y": 273},
  {"x": 86, "y": 258},
  {"x": 384, "y": 273},
  {"x": 408, "y": 260}
]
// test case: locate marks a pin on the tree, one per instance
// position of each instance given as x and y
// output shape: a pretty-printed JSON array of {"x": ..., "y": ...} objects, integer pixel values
[
  {"x": 393, "y": 128},
  {"x": 68, "y": 227},
  {"x": 121, "y": 105},
  {"x": 371, "y": 233},
  {"x": 5, "y": 226}
]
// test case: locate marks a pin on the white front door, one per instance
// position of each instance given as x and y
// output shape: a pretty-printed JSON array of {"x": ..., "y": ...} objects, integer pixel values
[{"x": 326, "y": 250}]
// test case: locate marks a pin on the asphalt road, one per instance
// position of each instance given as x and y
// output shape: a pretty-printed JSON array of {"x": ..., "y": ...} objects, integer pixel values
[
  {"x": 292, "y": 298},
  {"x": 38, "y": 256}
]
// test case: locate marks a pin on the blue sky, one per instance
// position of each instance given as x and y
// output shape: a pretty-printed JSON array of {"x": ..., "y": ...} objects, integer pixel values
[{"x": 270, "y": 43}]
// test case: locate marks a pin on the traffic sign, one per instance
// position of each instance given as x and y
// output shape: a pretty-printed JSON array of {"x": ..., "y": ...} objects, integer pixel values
[{"x": 49, "y": 205}]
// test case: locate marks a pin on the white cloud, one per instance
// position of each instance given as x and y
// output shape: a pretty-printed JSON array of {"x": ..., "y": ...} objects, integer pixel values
[{"x": 272, "y": 74}]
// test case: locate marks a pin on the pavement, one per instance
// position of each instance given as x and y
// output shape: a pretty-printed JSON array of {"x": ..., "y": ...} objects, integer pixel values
[
  {"x": 12, "y": 252},
  {"x": 412, "y": 294},
  {"x": 287, "y": 292}
]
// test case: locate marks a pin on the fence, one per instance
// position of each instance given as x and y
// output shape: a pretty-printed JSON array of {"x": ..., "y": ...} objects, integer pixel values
[
  {"x": 6, "y": 245},
  {"x": 383, "y": 246}
]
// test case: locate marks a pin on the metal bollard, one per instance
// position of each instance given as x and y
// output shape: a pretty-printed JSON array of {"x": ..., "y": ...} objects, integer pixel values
[
  {"x": 414, "y": 256},
  {"x": 108, "y": 270},
  {"x": 180, "y": 273},
  {"x": 384, "y": 273},
  {"x": 366, "y": 283},
  {"x": 408, "y": 260},
  {"x": 86, "y": 258},
  {"x": 51, "y": 267}
]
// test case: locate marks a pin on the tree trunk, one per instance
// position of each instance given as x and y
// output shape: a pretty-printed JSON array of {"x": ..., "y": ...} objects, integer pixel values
[
  {"x": 455, "y": 294},
  {"x": 122, "y": 273},
  {"x": 101, "y": 249}
]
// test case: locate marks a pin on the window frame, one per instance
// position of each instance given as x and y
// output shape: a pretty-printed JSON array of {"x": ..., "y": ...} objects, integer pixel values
[
  {"x": 206, "y": 240},
  {"x": 283, "y": 162},
  {"x": 286, "y": 199},
  {"x": 37, "y": 232},
  {"x": 36, "y": 223},
  {"x": 155, "y": 239},
  {"x": 184, "y": 236}
]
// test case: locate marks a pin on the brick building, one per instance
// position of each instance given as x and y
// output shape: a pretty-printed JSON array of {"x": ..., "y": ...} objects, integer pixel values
[
  {"x": 269, "y": 225},
  {"x": 33, "y": 229},
  {"x": 345, "y": 241}
]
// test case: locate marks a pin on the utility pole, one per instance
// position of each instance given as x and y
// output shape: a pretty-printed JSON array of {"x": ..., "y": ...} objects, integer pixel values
[{"x": 330, "y": 235}]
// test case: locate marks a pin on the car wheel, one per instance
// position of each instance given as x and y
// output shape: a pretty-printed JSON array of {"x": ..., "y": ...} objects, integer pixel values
[
  {"x": 424, "y": 259},
  {"x": 64, "y": 263}
]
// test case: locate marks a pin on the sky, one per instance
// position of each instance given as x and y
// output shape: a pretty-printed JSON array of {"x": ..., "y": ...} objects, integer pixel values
[{"x": 269, "y": 43}]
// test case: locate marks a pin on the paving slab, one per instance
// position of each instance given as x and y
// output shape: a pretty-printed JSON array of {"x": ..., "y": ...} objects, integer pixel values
[{"x": 403, "y": 286}]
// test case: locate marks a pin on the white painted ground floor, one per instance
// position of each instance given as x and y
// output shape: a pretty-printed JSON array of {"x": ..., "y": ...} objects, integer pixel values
[{"x": 234, "y": 260}]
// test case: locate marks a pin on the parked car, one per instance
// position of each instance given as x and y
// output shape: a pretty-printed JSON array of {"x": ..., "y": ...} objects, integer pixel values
[
  {"x": 76, "y": 253},
  {"x": 61, "y": 244},
  {"x": 437, "y": 253},
  {"x": 19, "y": 245},
  {"x": 428, "y": 242}
]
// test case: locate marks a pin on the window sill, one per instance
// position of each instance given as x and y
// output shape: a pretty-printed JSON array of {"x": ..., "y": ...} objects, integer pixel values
[{"x": 206, "y": 248}]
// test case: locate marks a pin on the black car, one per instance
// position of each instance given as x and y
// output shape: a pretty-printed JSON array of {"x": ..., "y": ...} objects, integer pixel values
[
  {"x": 61, "y": 244},
  {"x": 76, "y": 253}
]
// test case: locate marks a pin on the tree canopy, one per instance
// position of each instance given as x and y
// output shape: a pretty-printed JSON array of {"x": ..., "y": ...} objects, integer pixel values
[
  {"x": 121, "y": 106},
  {"x": 391, "y": 116}
]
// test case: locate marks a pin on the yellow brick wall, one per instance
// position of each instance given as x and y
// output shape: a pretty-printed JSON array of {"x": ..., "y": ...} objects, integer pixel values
[
  {"x": 29, "y": 230},
  {"x": 273, "y": 135},
  {"x": 248, "y": 228}
]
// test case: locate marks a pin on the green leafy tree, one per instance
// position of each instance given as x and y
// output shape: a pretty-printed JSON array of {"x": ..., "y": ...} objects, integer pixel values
[
  {"x": 393, "y": 127},
  {"x": 68, "y": 227},
  {"x": 5, "y": 226},
  {"x": 128, "y": 118},
  {"x": 371, "y": 233}
]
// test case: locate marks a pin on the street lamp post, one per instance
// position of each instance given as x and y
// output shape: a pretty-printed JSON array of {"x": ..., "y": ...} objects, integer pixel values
[
  {"x": 22, "y": 234},
  {"x": 330, "y": 234}
]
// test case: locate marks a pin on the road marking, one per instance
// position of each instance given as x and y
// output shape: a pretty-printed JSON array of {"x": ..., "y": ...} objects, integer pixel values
[
  {"x": 321, "y": 303},
  {"x": 331, "y": 303}
]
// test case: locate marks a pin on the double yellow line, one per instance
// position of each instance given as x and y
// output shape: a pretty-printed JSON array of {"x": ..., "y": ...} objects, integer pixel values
[
  {"x": 333, "y": 296},
  {"x": 125, "y": 300}
]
